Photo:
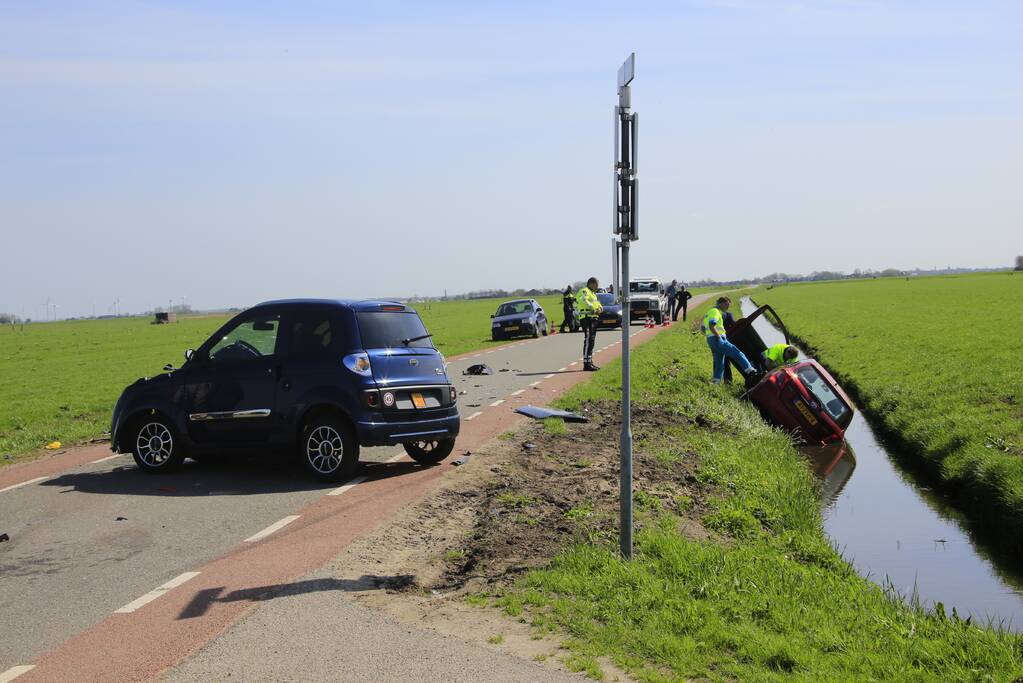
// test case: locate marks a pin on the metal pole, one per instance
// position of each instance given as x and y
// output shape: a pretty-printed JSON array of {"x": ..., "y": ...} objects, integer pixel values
[{"x": 625, "y": 478}]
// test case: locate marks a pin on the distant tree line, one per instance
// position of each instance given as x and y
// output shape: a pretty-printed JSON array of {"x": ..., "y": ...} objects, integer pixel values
[
  {"x": 820, "y": 275},
  {"x": 11, "y": 319}
]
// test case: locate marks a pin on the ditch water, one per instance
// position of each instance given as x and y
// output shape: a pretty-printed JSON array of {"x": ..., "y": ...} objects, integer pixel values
[{"x": 899, "y": 533}]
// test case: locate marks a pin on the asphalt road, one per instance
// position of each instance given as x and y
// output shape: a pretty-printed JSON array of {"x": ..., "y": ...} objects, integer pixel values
[{"x": 92, "y": 540}]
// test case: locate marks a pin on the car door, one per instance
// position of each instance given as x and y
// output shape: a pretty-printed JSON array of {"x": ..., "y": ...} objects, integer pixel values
[{"x": 231, "y": 390}]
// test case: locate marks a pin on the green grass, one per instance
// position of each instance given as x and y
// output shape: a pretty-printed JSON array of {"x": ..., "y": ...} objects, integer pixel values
[
  {"x": 60, "y": 380},
  {"x": 767, "y": 598},
  {"x": 937, "y": 363}
]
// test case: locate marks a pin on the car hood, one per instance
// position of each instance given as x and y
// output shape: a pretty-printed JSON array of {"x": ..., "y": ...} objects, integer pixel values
[
  {"x": 613, "y": 308},
  {"x": 155, "y": 380},
  {"x": 515, "y": 317}
]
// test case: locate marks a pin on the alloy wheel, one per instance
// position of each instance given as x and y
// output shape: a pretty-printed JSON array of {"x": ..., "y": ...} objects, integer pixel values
[
  {"x": 324, "y": 449},
  {"x": 154, "y": 444}
]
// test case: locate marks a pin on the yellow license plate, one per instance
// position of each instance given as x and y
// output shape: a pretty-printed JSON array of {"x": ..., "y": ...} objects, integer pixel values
[
  {"x": 418, "y": 401},
  {"x": 806, "y": 413},
  {"x": 512, "y": 328}
]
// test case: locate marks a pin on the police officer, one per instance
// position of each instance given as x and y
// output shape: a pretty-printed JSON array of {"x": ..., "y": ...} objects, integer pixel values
[
  {"x": 682, "y": 297},
  {"x": 568, "y": 308},
  {"x": 588, "y": 306},
  {"x": 779, "y": 355},
  {"x": 720, "y": 347},
  {"x": 671, "y": 293}
]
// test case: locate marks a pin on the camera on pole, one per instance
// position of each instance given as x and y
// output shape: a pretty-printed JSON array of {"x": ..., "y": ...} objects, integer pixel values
[{"x": 626, "y": 204}]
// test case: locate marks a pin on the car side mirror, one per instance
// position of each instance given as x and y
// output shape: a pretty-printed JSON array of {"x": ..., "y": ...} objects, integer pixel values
[
  {"x": 168, "y": 368},
  {"x": 492, "y": 315}
]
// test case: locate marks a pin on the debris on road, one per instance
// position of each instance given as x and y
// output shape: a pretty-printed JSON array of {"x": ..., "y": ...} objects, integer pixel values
[
  {"x": 529, "y": 445},
  {"x": 478, "y": 369},
  {"x": 4, "y": 537},
  {"x": 52, "y": 446},
  {"x": 543, "y": 413},
  {"x": 461, "y": 461},
  {"x": 120, "y": 519}
]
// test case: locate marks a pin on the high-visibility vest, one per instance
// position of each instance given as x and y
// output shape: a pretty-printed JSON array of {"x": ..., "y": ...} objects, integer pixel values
[
  {"x": 568, "y": 300},
  {"x": 776, "y": 354},
  {"x": 713, "y": 316},
  {"x": 587, "y": 305}
]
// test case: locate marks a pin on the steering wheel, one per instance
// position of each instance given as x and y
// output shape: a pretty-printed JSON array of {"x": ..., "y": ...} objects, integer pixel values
[{"x": 249, "y": 347}]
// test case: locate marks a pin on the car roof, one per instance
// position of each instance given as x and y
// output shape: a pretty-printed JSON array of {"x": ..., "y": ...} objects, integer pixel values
[
  {"x": 354, "y": 304},
  {"x": 519, "y": 301}
]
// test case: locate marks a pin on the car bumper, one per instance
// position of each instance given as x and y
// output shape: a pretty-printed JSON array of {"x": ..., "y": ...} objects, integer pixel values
[{"x": 381, "y": 433}]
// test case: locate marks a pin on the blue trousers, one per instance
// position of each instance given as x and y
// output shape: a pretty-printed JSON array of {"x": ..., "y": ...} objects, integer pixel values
[{"x": 722, "y": 348}]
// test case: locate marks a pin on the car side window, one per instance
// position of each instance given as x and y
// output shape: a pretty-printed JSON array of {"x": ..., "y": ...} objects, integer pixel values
[
  {"x": 311, "y": 332},
  {"x": 249, "y": 339}
]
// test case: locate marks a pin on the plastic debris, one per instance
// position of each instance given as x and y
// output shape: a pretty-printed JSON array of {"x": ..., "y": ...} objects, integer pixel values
[
  {"x": 529, "y": 446},
  {"x": 120, "y": 519},
  {"x": 542, "y": 413},
  {"x": 478, "y": 369},
  {"x": 52, "y": 446},
  {"x": 4, "y": 537}
]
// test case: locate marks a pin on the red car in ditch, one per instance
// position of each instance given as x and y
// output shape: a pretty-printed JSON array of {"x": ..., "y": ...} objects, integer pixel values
[{"x": 800, "y": 397}]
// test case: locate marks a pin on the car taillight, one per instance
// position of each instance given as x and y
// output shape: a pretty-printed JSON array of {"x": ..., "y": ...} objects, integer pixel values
[{"x": 358, "y": 363}]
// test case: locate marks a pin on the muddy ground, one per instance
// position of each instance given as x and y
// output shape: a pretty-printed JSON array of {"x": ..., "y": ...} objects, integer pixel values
[{"x": 515, "y": 504}]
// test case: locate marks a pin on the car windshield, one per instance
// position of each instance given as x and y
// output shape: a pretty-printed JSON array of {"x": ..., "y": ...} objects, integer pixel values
[
  {"x": 514, "y": 307},
  {"x": 388, "y": 329},
  {"x": 823, "y": 392},
  {"x": 643, "y": 287},
  {"x": 606, "y": 299}
]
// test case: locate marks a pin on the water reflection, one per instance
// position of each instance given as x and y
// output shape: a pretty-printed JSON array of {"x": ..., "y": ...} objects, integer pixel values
[{"x": 901, "y": 534}]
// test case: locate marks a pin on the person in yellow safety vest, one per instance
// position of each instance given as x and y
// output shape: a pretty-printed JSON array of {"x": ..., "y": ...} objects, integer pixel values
[
  {"x": 779, "y": 355},
  {"x": 588, "y": 309},
  {"x": 720, "y": 347}
]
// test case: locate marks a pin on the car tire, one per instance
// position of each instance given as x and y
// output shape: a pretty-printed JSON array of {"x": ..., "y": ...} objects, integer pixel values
[
  {"x": 155, "y": 445},
  {"x": 328, "y": 449},
  {"x": 536, "y": 329},
  {"x": 494, "y": 337},
  {"x": 429, "y": 452},
  {"x": 543, "y": 330}
]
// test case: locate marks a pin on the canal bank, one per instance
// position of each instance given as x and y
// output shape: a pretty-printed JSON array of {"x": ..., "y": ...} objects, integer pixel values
[{"x": 901, "y": 534}]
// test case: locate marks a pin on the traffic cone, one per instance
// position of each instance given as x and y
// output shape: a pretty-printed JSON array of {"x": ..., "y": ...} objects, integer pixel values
[{"x": 649, "y": 323}]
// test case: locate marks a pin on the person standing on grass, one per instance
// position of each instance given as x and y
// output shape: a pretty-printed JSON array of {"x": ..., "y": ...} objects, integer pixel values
[
  {"x": 568, "y": 308},
  {"x": 682, "y": 304},
  {"x": 717, "y": 340},
  {"x": 671, "y": 293},
  {"x": 589, "y": 308}
]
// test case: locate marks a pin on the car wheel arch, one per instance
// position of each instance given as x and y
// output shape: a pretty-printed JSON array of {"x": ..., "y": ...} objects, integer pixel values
[
  {"x": 131, "y": 422},
  {"x": 319, "y": 410}
]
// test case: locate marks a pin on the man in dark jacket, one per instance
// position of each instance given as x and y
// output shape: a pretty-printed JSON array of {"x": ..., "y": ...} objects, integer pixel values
[
  {"x": 682, "y": 297},
  {"x": 568, "y": 308}
]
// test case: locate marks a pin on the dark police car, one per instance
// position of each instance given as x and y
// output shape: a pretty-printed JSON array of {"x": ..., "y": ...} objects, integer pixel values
[{"x": 320, "y": 377}]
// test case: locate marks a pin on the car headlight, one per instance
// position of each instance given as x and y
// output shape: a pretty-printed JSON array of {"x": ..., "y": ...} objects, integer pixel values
[{"x": 495, "y": 324}]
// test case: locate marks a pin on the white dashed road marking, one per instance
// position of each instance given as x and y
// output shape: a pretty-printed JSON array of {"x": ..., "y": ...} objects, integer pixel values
[
  {"x": 15, "y": 671},
  {"x": 154, "y": 594},
  {"x": 496, "y": 403},
  {"x": 473, "y": 416},
  {"x": 562, "y": 369},
  {"x": 276, "y": 526},
  {"x": 516, "y": 393},
  {"x": 548, "y": 376},
  {"x": 535, "y": 383},
  {"x": 347, "y": 487},
  {"x": 109, "y": 457},
  {"x": 24, "y": 483}
]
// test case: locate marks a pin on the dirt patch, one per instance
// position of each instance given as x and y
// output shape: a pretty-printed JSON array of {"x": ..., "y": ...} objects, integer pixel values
[{"x": 515, "y": 505}]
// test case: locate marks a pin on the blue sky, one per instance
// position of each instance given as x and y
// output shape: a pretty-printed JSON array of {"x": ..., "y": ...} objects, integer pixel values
[{"x": 233, "y": 152}]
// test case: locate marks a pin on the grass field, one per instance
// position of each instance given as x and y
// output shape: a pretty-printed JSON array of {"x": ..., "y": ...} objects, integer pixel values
[
  {"x": 60, "y": 380},
  {"x": 937, "y": 362},
  {"x": 766, "y": 598}
]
